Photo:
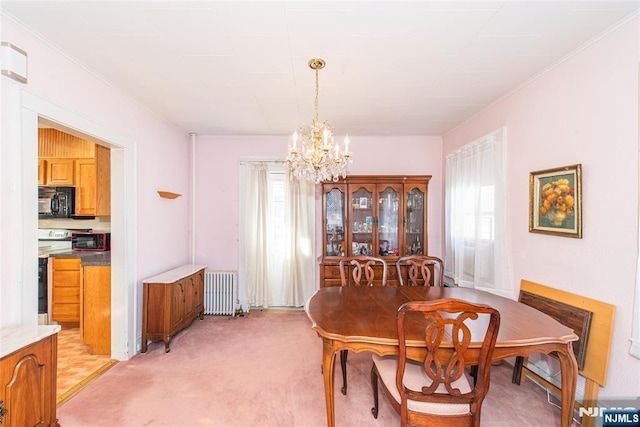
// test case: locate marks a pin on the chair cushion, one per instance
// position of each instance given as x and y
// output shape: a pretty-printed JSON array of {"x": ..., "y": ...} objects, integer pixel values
[{"x": 415, "y": 379}]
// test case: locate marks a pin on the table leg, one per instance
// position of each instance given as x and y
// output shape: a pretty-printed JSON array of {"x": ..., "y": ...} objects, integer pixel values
[
  {"x": 569, "y": 369},
  {"x": 328, "y": 367}
]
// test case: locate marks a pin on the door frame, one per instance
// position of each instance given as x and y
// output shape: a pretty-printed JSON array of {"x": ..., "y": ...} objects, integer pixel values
[{"x": 123, "y": 213}]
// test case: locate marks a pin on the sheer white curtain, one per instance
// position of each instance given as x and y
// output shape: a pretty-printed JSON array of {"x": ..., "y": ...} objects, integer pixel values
[
  {"x": 475, "y": 205},
  {"x": 254, "y": 232},
  {"x": 277, "y": 236},
  {"x": 299, "y": 263}
]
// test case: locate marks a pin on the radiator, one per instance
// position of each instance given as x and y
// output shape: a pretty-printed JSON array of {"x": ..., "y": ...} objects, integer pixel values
[{"x": 220, "y": 292}]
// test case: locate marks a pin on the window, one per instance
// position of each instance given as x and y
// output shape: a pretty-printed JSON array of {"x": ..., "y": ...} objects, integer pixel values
[
  {"x": 276, "y": 227},
  {"x": 474, "y": 216},
  {"x": 278, "y": 234}
]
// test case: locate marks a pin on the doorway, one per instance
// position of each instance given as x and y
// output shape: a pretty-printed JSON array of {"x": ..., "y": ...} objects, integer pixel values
[
  {"x": 84, "y": 342},
  {"x": 36, "y": 110}
]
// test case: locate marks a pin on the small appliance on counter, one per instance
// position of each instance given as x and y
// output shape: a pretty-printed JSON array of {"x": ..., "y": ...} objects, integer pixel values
[
  {"x": 56, "y": 202},
  {"x": 52, "y": 240},
  {"x": 91, "y": 241}
]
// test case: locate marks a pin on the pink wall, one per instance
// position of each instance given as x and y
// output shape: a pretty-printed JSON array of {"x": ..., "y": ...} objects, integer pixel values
[
  {"x": 217, "y": 183},
  {"x": 161, "y": 150},
  {"x": 585, "y": 111}
]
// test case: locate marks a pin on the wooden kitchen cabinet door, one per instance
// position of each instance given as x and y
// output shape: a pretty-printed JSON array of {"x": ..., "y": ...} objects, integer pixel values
[
  {"x": 42, "y": 171},
  {"x": 93, "y": 184},
  {"x": 96, "y": 307},
  {"x": 86, "y": 187},
  {"x": 59, "y": 172}
]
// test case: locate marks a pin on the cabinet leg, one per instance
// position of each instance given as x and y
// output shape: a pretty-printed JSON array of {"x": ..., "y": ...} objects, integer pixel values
[{"x": 166, "y": 345}]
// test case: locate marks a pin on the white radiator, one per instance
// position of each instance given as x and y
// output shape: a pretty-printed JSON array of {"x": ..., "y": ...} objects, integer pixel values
[{"x": 220, "y": 292}]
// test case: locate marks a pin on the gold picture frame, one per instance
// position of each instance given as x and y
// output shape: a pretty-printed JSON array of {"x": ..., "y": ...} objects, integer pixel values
[{"x": 555, "y": 201}]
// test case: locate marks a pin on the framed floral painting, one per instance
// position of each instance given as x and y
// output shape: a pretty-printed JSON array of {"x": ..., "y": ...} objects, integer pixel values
[{"x": 555, "y": 201}]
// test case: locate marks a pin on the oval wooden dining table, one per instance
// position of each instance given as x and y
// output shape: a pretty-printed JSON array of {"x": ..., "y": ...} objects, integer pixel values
[{"x": 364, "y": 319}]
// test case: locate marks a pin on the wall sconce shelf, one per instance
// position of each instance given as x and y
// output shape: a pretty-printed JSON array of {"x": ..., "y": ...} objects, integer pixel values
[{"x": 168, "y": 194}]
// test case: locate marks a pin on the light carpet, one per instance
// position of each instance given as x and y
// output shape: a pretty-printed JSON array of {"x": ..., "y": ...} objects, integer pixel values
[{"x": 261, "y": 370}]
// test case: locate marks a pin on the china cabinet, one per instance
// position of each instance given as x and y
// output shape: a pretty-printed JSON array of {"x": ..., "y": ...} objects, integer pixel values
[{"x": 378, "y": 215}]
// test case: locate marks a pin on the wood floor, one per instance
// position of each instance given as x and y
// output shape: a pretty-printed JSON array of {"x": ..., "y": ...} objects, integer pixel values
[{"x": 76, "y": 367}]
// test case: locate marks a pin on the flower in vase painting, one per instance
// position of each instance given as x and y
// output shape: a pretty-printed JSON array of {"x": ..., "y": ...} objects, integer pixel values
[{"x": 557, "y": 201}]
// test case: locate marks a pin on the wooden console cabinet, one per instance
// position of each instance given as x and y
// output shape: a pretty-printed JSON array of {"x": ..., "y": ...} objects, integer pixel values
[
  {"x": 171, "y": 301},
  {"x": 28, "y": 377}
]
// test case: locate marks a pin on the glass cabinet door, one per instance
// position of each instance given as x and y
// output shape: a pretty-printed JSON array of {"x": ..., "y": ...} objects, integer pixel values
[
  {"x": 388, "y": 221},
  {"x": 415, "y": 221},
  {"x": 334, "y": 222},
  {"x": 361, "y": 221}
]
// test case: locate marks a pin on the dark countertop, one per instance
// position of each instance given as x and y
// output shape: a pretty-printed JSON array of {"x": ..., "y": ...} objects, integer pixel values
[{"x": 86, "y": 258}]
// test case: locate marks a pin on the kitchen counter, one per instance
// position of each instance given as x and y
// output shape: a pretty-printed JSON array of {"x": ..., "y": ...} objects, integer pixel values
[{"x": 86, "y": 258}]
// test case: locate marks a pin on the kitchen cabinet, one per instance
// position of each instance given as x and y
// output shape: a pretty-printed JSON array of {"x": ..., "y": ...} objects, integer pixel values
[
  {"x": 28, "y": 383},
  {"x": 171, "y": 301},
  {"x": 96, "y": 309},
  {"x": 81, "y": 296},
  {"x": 66, "y": 279},
  {"x": 93, "y": 184},
  {"x": 66, "y": 160},
  {"x": 59, "y": 172},
  {"x": 42, "y": 170},
  {"x": 377, "y": 215},
  {"x": 85, "y": 173}
]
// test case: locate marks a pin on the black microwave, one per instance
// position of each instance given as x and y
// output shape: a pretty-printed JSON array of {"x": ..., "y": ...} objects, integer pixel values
[
  {"x": 56, "y": 202},
  {"x": 90, "y": 241}
]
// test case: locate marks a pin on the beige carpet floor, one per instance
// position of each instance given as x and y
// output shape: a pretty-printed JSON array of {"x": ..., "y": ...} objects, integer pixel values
[{"x": 261, "y": 370}]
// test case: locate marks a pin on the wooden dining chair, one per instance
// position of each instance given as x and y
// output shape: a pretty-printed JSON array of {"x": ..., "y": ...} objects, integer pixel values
[
  {"x": 435, "y": 391},
  {"x": 365, "y": 271},
  {"x": 420, "y": 270}
]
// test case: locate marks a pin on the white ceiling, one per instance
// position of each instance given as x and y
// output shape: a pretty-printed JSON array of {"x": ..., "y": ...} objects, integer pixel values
[{"x": 393, "y": 67}]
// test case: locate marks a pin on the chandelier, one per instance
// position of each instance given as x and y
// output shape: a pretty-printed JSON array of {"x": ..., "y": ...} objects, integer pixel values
[{"x": 317, "y": 158}]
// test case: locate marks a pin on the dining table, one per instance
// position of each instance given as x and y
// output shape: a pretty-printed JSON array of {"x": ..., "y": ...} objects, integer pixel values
[{"x": 363, "y": 318}]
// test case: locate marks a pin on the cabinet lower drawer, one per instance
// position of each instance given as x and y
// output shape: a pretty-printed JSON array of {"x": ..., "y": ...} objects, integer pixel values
[
  {"x": 65, "y": 295},
  {"x": 66, "y": 264},
  {"x": 65, "y": 312},
  {"x": 66, "y": 278}
]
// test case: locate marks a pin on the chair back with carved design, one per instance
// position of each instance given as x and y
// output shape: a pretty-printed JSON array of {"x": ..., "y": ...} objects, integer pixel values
[
  {"x": 421, "y": 270},
  {"x": 436, "y": 391},
  {"x": 365, "y": 271}
]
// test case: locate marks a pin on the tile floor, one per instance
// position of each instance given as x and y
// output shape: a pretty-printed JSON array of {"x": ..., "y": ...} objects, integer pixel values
[{"x": 76, "y": 367}]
